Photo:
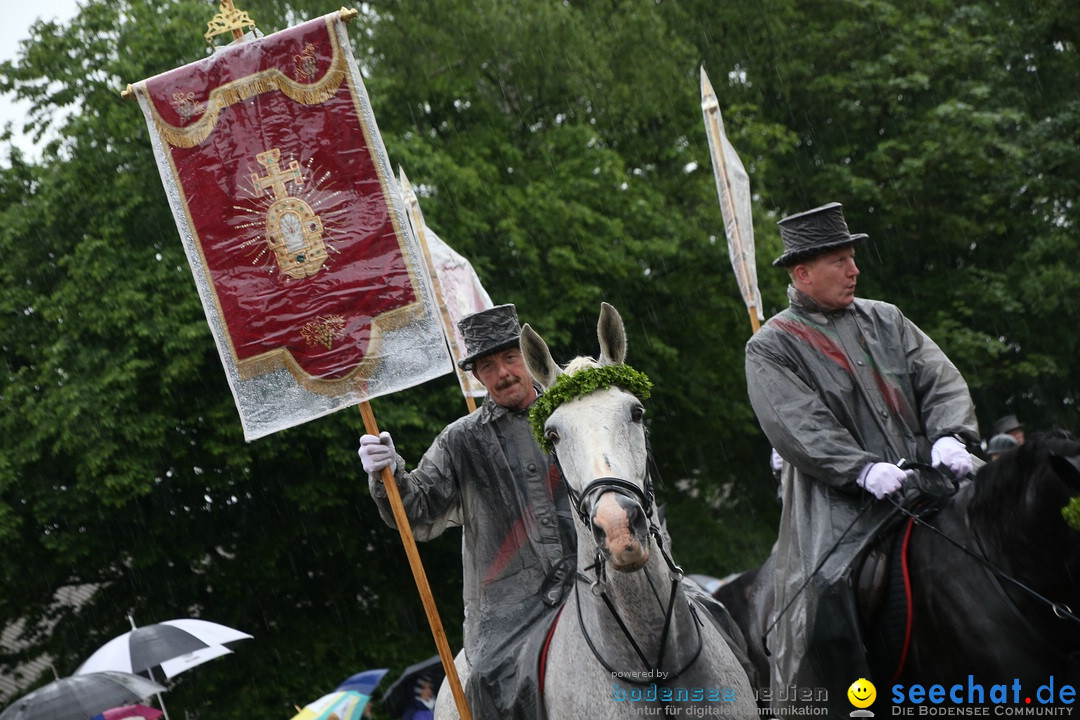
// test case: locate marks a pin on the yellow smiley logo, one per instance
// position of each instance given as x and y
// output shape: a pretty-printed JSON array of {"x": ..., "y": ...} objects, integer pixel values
[{"x": 862, "y": 693}]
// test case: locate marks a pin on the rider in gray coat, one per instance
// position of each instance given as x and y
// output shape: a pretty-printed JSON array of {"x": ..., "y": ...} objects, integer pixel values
[
  {"x": 486, "y": 473},
  {"x": 844, "y": 388}
]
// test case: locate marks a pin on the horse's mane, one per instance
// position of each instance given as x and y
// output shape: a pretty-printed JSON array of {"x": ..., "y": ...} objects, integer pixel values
[
  {"x": 579, "y": 363},
  {"x": 1019, "y": 480}
]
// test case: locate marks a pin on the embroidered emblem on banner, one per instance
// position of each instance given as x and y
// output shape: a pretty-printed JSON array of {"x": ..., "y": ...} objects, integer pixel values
[
  {"x": 186, "y": 105},
  {"x": 324, "y": 331},
  {"x": 307, "y": 65},
  {"x": 293, "y": 231}
]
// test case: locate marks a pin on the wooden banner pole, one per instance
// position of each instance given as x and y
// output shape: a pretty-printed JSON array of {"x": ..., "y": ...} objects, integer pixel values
[{"x": 419, "y": 575}]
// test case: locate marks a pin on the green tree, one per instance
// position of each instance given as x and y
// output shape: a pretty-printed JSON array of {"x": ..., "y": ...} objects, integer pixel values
[{"x": 946, "y": 131}]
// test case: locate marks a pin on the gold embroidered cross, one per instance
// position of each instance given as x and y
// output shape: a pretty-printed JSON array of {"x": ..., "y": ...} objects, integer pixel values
[
  {"x": 276, "y": 177},
  {"x": 293, "y": 230}
]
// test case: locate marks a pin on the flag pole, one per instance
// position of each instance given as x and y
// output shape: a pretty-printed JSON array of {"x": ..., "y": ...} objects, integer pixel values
[
  {"x": 711, "y": 108},
  {"x": 418, "y": 224},
  {"x": 419, "y": 575}
]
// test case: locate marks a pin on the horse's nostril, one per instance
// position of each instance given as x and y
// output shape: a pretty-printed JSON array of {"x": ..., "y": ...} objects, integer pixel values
[{"x": 635, "y": 515}]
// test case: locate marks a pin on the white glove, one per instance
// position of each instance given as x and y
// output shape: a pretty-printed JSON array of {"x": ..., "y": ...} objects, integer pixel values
[
  {"x": 951, "y": 453},
  {"x": 776, "y": 462},
  {"x": 377, "y": 453},
  {"x": 881, "y": 479}
]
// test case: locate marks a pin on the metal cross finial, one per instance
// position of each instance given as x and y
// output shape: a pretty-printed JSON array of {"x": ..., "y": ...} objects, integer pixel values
[{"x": 228, "y": 19}]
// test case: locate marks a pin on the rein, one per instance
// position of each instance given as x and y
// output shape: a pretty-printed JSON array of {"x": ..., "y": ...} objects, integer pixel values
[
  {"x": 644, "y": 495},
  {"x": 652, "y": 669},
  {"x": 1008, "y": 601},
  {"x": 1061, "y": 610}
]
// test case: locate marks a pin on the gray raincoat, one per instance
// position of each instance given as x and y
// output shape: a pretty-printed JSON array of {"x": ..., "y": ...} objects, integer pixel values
[
  {"x": 834, "y": 391},
  {"x": 486, "y": 473}
]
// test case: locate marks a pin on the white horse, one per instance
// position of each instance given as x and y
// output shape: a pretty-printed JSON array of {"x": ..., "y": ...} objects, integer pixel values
[{"x": 629, "y": 642}]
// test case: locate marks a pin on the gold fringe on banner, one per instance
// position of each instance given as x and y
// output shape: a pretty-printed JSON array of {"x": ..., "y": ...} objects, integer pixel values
[
  {"x": 248, "y": 87},
  {"x": 358, "y": 378}
]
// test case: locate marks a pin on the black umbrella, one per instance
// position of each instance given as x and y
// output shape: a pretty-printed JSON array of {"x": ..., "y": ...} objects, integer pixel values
[
  {"x": 398, "y": 696},
  {"x": 169, "y": 647},
  {"x": 81, "y": 696}
]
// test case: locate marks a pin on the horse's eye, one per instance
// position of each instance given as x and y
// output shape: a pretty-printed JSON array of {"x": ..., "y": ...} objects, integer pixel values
[
  {"x": 636, "y": 413},
  {"x": 552, "y": 436}
]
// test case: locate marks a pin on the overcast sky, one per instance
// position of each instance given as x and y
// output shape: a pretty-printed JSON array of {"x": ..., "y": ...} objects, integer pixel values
[{"x": 15, "y": 24}]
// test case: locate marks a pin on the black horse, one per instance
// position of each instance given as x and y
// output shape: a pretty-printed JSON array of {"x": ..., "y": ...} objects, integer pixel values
[
  {"x": 1007, "y": 617},
  {"x": 1015, "y": 622}
]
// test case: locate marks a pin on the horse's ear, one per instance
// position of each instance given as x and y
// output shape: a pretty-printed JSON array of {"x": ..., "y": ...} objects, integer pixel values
[
  {"x": 538, "y": 358},
  {"x": 612, "y": 336},
  {"x": 1067, "y": 468}
]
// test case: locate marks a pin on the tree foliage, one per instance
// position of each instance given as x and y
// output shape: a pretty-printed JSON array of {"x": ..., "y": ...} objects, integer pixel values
[{"x": 560, "y": 147}]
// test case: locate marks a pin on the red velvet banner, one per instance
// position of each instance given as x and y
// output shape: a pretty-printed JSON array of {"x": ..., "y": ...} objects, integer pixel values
[{"x": 269, "y": 148}]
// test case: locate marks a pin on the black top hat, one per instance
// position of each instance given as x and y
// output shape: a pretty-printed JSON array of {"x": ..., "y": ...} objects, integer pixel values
[
  {"x": 813, "y": 232},
  {"x": 489, "y": 331},
  {"x": 1007, "y": 424}
]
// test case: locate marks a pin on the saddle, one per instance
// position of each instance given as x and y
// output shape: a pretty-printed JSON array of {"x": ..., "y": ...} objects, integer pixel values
[
  {"x": 873, "y": 576},
  {"x": 881, "y": 579},
  {"x": 883, "y": 600}
]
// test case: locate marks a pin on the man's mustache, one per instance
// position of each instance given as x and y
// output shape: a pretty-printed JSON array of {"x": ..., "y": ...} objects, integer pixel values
[{"x": 509, "y": 382}]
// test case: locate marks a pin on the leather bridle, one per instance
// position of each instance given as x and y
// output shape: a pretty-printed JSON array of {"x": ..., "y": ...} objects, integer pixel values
[{"x": 643, "y": 494}]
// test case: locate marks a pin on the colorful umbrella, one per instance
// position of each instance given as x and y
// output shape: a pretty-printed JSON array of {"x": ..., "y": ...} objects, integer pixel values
[
  {"x": 129, "y": 712},
  {"x": 81, "y": 696},
  {"x": 344, "y": 705},
  {"x": 364, "y": 682}
]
